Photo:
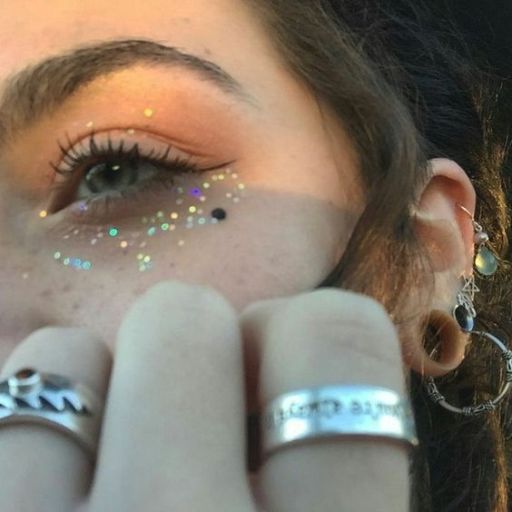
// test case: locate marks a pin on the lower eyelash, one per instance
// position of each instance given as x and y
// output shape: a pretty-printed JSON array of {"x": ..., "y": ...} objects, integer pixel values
[{"x": 104, "y": 205}]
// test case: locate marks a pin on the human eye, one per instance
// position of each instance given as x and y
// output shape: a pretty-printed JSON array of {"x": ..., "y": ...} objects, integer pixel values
[{"x": 102, "y": 174}]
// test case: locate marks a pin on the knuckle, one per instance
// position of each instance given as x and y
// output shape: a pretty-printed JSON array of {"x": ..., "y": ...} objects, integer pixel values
[
  {"x": 58, "y": 336},
  {"x": 172, "y": 311},
  {"x": 170, "y": 296},
  {"x": 333, "y": 318},
  {"x": 330, "y": 304}
]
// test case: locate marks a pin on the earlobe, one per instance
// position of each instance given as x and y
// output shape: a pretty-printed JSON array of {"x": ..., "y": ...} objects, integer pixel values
[{"x": 450, "y": 351}]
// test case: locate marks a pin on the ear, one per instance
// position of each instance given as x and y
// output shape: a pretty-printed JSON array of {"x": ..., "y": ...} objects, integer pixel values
[{"x": 446, "y": 233}]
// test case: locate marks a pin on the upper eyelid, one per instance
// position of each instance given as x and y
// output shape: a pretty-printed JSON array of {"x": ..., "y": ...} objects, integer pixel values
[{"x": 72, "y": 152}]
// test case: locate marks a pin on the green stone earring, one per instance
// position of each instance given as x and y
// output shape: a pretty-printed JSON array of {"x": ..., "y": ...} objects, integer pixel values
[{"x": 486, "y": 262}]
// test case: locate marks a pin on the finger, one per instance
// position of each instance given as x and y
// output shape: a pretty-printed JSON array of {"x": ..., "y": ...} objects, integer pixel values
[
  {"x": 43, "y": 469},
  {"x": 328, "y": 337},
  {"x": 174, "y": 426}
]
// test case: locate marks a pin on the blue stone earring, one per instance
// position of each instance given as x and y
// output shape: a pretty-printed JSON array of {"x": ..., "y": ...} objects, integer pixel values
[{"x": 486, "y": 264}]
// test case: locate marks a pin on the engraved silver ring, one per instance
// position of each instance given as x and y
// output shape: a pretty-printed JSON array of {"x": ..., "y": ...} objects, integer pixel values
[
  {"x": 30, "y": 396},
  {"x": 335, "y": 411}
]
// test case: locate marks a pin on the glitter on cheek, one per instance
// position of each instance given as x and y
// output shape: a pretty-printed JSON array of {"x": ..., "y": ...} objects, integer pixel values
[
  {"x": 149, "y": 112},
  {"x": 43, "y": 214},
  {"x": 144, "y": 261},
  {"x": 160, "y": 223},
  {"x": 77, "y": 263}
]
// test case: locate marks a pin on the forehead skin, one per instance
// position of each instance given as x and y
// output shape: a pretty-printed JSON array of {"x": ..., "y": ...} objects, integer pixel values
[{"x": 224, "y": 31}]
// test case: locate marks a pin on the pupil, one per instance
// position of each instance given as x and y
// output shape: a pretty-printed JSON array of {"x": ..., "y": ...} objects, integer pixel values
[{"x": 110, "y": 176}]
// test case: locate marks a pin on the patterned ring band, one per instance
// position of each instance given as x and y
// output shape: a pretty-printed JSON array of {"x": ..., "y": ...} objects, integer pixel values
[
  {"x": 489, "y": 405},
  {"x": 53, "y": 401},
  {"x": 334, "y": 411}
]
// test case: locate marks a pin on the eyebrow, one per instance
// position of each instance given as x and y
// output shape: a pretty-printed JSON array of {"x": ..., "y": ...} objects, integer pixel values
[{"x": 41, "y": 88}]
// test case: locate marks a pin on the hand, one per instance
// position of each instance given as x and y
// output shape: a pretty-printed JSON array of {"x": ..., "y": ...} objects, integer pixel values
[{"x": 173, "y": 435}]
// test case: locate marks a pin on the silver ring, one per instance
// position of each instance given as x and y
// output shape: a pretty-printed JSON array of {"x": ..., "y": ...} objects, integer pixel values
[
  {"x": 335, "y": 411},
  {"x": 53, "y": 401}
]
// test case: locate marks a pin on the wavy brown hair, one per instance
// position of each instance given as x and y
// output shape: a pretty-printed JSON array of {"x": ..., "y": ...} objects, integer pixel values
[{"x": 403, "y": 84}]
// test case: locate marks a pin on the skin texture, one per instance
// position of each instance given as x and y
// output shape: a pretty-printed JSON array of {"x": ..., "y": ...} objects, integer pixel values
[{"x": 249, "y": 278}]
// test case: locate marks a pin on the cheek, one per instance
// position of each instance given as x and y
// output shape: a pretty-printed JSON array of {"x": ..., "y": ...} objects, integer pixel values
[{"x": 268, "y": 245}]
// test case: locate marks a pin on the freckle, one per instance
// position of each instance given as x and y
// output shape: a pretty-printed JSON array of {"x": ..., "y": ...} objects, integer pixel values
[
  {"x": 149, "y": 112},
  {"x": 45, "y": 294}
]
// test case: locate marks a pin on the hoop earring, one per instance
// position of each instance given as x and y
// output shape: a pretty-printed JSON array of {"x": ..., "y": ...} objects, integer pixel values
[{"x": 486, "y": 264}]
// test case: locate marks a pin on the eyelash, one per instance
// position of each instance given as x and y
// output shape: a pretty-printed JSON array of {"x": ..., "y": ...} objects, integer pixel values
[{"x": 73, "y": 159}]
